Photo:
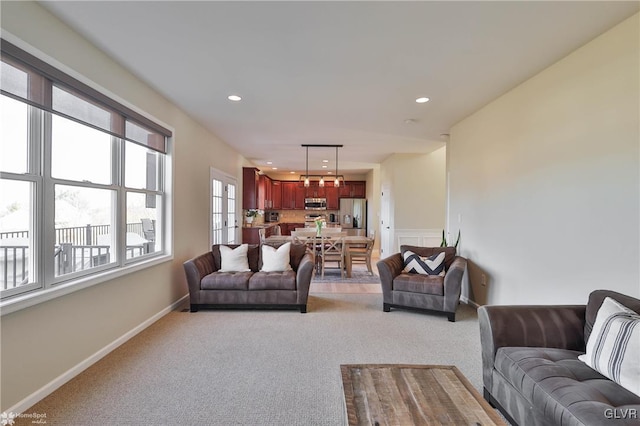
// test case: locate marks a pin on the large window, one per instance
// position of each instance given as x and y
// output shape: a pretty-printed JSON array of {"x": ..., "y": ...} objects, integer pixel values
[{"x": 82, "y": 179}]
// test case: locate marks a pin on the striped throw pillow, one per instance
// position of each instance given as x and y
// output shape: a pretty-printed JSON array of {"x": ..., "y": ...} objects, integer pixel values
[
  {"x": 613, "y": 348},
  {"x": 432, "y": 265}
]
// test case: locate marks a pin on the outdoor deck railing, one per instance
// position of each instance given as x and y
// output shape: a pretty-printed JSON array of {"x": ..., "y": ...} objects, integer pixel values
[
  {"x": 17, "y": 266},
  {"x": 77, "y": 235},
  {"x": 76, "y": 250}
]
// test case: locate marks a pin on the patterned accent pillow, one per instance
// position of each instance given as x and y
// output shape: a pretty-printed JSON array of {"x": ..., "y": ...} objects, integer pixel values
[
  {"x": 234, "y": 260},
  {"x": 432, "y": 265},
  {"x": 613, "y": 348}
]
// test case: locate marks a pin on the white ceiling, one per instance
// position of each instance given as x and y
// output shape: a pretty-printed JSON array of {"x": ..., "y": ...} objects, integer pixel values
[{"x": 336, "y": 72}]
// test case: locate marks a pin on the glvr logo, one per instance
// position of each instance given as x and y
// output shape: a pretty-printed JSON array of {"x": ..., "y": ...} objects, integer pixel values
[{"x": 621, "y": 413}]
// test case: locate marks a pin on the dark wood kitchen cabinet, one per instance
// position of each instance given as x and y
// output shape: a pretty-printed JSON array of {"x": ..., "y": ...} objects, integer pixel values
[
  {"x": 251, "y": 235},
  {"x": 250, "y": 183},
  {"x": 359, "y": 189},
  {"x": 332, "y": 195},
  {"x": 293, "y": 195},
  {"x": 286, "y": 228},
  {"x": 353, "y": 189},
  {"x": 314, "y": 190},
  {"x": 265, "y": 200},
  {"x": 276, "y": 195},
  {"x": 260, "y": 191}
]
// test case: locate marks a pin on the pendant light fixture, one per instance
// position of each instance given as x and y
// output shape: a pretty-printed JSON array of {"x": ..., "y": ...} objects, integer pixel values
[
  {"x": 336, "y": 183},
  {"x": 306, "y": 178}
]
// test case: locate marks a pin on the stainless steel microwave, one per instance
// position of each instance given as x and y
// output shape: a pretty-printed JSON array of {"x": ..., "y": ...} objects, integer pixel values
[
  {"x": 315, "y": 203},
  {"x": 271, "y": 217}
]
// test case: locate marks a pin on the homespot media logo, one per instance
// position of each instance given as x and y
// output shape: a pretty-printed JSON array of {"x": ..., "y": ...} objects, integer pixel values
[
  {"x": 621, "y": 413},
  {"x": 10, "y": 418}
]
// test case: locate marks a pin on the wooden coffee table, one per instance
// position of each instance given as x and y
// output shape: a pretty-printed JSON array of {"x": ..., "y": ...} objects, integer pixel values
[{"x": 393, "y": 394}]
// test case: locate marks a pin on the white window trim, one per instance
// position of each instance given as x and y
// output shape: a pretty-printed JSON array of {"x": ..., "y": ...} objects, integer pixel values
[{"x": 41, "y": 295}]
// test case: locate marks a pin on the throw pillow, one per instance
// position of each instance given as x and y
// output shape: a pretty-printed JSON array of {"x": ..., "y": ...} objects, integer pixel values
[
  {"x": 276, "y": 260},
  {"x": 613, "y": 348},
  {"x": 432, "y": 265},
  {"x": 234, "y": 260}
]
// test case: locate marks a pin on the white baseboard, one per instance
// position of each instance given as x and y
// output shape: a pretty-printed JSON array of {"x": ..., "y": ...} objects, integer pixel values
[
  {"x": 468, "y": 301},
  {"x": 50, "y": 387}
]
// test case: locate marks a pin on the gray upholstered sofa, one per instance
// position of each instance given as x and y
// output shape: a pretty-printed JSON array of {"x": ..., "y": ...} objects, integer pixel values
[
  {"x": 210, "y": 288},
  {"x": 531, "y": 370},
  {"x": 423, "y": 292}
]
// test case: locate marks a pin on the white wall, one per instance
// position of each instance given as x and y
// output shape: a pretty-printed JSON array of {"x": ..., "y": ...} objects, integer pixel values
[
  {"x": 42, "y": 342},
  {"x": 417, "y": 192},
  {"x": 545, "y": 183}
]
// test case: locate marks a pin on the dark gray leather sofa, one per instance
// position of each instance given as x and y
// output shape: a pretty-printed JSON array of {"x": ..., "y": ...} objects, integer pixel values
[
  {"x": 422, "y": 292},
  {"x": 531, "y": 370},
  {"x": 210, "y": 288}
]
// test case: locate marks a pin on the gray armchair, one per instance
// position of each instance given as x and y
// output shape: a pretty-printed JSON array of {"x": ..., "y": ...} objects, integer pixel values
[{"x": 422, "y": 292}]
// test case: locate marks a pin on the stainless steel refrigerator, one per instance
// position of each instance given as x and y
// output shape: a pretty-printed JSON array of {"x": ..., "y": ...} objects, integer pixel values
[{"x": 353, "y": 215}]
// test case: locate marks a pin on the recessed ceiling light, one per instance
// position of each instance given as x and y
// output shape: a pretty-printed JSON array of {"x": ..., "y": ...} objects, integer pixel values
[
  {"x": 329, "y": 173},
  {"x": 274, "y": 168},
  {"x": 325, "y": 161},
  {"x": 269, "y": 162},
  {"x": 293, "y": 173},
  {"x": 234, "y": 98},
  {"x": 422, "y": 100},
  {"x": 324, "y": 166}
]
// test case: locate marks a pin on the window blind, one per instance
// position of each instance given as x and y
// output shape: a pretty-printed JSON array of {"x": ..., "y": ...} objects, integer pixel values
[{"x": 32, "y": 80}]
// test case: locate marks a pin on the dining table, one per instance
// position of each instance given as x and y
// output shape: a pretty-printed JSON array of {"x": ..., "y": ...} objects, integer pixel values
[{"x": 349, "y": 240}]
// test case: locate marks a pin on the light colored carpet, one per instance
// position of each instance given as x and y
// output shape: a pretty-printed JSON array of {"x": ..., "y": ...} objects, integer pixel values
[{"x": 258, "y": 367}]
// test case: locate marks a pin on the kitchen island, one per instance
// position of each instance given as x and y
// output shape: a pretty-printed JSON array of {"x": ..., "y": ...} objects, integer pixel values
[{"x": 251, "y": 234}]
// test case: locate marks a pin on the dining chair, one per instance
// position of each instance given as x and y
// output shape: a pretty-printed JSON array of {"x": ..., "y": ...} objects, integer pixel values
[
  {"x": 308, "y": 237},
  {"x": 361, "y": 253},
  {"x": 332, "y": 250},
  {"x": 148, "y": 229},
  {"x": 303, "y": 235}
]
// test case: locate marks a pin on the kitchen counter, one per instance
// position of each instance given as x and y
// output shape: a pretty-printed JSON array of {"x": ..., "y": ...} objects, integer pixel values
[{"x": 250, "y": 234}]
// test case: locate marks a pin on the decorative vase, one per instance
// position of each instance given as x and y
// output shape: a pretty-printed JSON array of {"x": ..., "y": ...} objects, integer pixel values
[
  {"x": 249, "y": 220},
  {"x": 318, "y": 229}
]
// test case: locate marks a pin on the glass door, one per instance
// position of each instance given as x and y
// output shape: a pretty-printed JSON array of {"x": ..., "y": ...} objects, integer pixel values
[{"x": 224, "y": 222}]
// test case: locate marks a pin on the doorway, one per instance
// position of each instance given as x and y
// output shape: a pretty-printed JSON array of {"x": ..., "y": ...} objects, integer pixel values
[
  {"x": 386, "y": 231},
  {"x": 224, "y": 220}
]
